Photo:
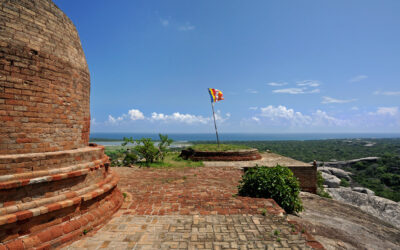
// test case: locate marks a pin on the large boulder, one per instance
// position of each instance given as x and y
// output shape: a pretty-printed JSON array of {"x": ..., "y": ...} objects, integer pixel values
[
  {"x": 336, "y": 172},
  {"x": 331, "y": 180},
  {"x": 363, "y": 190}
]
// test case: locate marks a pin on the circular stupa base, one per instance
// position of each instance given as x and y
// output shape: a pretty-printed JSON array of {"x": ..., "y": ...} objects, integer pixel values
[{"x": 230, "y": 155}]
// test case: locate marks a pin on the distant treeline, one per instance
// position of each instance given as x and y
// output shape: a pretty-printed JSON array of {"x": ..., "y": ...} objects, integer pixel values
[
  {"x": 383, "y": 177},
  {"x": 325, "y": 150}
]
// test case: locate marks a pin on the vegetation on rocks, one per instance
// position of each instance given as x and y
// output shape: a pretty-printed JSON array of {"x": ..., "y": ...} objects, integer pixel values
[{"x": 277, "y": 183}]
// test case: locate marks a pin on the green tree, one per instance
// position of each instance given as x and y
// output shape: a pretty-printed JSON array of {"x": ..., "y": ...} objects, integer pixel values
[{"x": 165, "y": 142}]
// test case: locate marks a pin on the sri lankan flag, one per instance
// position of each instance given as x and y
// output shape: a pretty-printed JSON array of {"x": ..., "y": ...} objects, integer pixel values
[{"x": 216, "y": 95}]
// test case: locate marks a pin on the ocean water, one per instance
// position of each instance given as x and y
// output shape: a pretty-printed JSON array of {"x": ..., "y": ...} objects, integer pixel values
[{"x": 184, "y": 137}]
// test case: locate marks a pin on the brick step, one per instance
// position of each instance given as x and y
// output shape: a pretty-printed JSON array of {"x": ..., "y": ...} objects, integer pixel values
[
  {"x": 20, "y": 164},
  {"x": 42, "y": 206},
  {"x": 19, "y": 180},
  {"x": 62, "y": 233}
]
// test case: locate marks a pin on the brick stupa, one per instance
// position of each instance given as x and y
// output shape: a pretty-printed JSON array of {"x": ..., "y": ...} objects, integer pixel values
[{"x": 53, "y": 185}]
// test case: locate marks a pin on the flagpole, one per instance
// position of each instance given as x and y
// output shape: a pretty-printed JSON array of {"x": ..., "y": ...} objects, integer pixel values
[{"x": 215, "y": 124}]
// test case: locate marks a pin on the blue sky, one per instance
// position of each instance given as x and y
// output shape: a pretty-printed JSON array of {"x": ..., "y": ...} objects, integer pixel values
[{"x": 283, "y": 66}]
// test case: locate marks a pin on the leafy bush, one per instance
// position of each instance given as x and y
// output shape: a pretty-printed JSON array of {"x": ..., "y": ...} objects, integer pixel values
[
  {"x": 130, "y": 158},
  {"x": 344, "y": 182},
  {"x": 277, "y": 183},
  {"x": 147, "y": 150}
]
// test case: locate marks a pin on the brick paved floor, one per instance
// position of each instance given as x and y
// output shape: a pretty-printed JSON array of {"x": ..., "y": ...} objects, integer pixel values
[{"x": 191, "y": 208}]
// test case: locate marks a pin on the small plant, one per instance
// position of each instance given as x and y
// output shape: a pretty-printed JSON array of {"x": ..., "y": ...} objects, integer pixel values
[
  {"x": 263, "y": 212},
  {"x": 320, "y": 186},
  {"x": 303, "y": 231},
  {"x": 344, "y": 182},
  {"x": 184, "y": 177},
  {"x": 125, "y": 195},
  {"x": 276, "y": 232},
  {"x": 277, "y": 183},
  {"x": 234, "y": 195},
  {"x": 85, "y": 231},
  {"x": 278, "y": 239}
]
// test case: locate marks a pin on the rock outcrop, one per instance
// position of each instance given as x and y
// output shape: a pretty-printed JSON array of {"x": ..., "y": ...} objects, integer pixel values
[
  {"x": 341, "y": 164},
  {"x": 382, "y": 208},
  {"x": 336, "y": 172},
  {"x": 331, "y": 180},
  {"x": 337, "y": 225}
]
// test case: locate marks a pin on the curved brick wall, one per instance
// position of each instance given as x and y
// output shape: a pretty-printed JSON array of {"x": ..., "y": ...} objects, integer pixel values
[
  {"x": 44, "y": 80},
  {"x": 231, "y": 155},
  {"x": 53, "y": 185}
]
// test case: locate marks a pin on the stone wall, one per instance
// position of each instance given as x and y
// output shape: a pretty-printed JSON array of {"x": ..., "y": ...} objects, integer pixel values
[{"x": 53, "y": 185}]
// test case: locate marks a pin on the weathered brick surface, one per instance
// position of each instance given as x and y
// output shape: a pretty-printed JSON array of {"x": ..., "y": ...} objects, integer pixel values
[
  {"x": 189, "y": 191},
  {"x": 193, "y": 208},
  {"x": 44, "y": 80},
  {"x": 53, "y": 185}
]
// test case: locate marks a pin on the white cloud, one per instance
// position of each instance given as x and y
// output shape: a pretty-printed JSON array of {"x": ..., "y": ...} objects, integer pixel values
[
  {"x": 309, "y": 83},
  {"x": 113, "y": 120},
  {"x": 313, "y": 91},
  {"x": 164, "y": 22},
  {"x": 186, "y": 27},
  {"x": 178, "y": 117},
  {"x": 389, "y": 111},
  {"x": 220, "y": 118},
  {"x": 321, "y": 118},
  {"x": 293, "y": 91},
  {"x": 296, "y": 91},
  {"x": 328, "y": 100},
  {"x": 277, "y": 84},
  {"x": 282, "y": 114},
  {"x": 358, "y": 78},
  {"x": 355, "y": 108},
  {"x": 252, "y": 91},
  {"x": 388, "y": 93},
  {"x": 135, "y": 114}
]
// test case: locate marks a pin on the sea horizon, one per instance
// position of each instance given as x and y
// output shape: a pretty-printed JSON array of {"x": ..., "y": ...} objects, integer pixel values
[{"x": 182, "y": 137}]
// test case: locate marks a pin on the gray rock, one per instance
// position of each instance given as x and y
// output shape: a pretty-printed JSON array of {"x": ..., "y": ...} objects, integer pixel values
[
  {"x": 363, "y": 190},
  {"x": 331, "y": 180},
  {"x": 382, "y": 208},
  {"x": 341, "y": 164},
  {"x": 336, "y": 172}
]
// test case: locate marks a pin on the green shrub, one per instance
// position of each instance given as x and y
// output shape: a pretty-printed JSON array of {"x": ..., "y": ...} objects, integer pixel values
[
  {"x": 147, "y": 150},
  {"x": 277, "y": 183},
  {"x": 129, "y": 159},
  {"x": 344, "y": 182}
]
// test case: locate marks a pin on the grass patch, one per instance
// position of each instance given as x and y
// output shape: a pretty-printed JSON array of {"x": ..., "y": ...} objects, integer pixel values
[
  {"x": 172, "y": 160},
  {"x": 216, "y": 148}
]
